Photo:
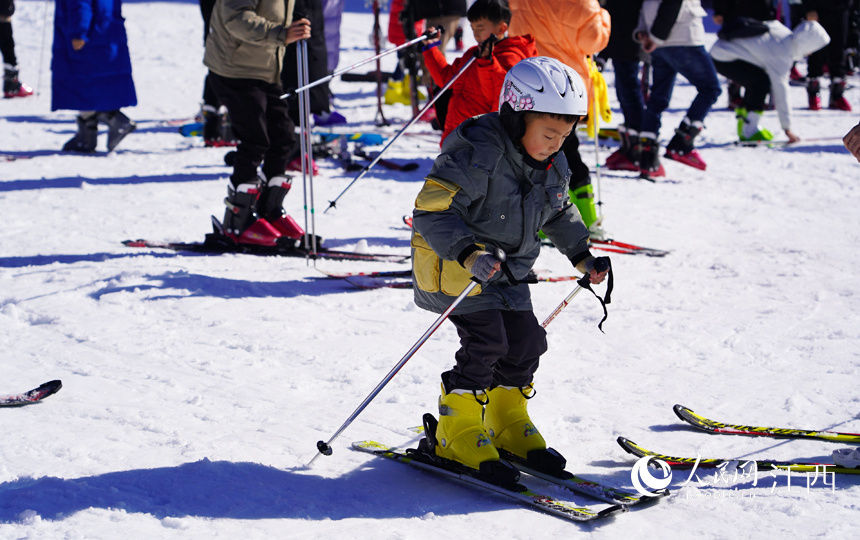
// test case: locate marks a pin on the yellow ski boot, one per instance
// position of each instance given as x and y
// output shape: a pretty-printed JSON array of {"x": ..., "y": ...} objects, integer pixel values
[
  {"x": 514, "y": 434},
  {"x": 395, "y": 93},
  {"x": 459, "y": 436}
]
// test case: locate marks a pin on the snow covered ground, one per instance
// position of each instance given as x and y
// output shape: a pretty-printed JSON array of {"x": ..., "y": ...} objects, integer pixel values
[{"x": 195, "y": 387}]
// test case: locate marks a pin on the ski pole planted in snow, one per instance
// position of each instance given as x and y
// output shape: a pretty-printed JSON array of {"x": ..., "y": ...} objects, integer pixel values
[
  {"x": 324, "y": 447},
  {"x": 306, "y": 150},
  {"x": 429, "y": 34},
  {"x": 415, "y": 118}
]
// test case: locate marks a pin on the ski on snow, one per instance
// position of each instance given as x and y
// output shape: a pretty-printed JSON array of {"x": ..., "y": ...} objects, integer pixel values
[
  {"x": 216, "y": 244},
  {"x": 611, "y": 245},
  {"x": 31, "y": 396},
  {"x": 518, "y": 492},
  {"x": 712, "y": 426},
  {"x": 402, "y": 279},
  {"x": 709, "y": 463}
]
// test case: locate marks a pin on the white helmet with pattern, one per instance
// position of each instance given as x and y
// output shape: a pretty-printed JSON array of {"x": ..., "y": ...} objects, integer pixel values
[{"x": 544, "y": 84}]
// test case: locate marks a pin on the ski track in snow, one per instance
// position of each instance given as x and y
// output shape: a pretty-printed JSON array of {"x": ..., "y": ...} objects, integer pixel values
[{"x": 195, "y": 387}]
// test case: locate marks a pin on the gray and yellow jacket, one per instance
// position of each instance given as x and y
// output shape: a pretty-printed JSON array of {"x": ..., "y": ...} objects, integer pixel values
[
  {"x": 481, "y": 191},
  {"x": 247, "y": 38}
]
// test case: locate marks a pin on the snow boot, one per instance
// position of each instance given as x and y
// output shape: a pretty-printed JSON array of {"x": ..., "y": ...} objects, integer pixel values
[
  {"x": 795, "y": 78},
  {"x": 12, "y": 87},
  {"x": 624, "y": 159},
  {"x": 837, "y": 95},
  {"x": 583, "y": 198},
  {"x": 217, "y": 130},
  {"x": 241, "y": 222},
  {"x": 507, "y": 421},
  {"x": 813, "y": 89},
  {"x": 118, "y": 125},
  {"x": 86, "y": 137},
  {"x": 680, "y": 148},
  {"x": 748, "y": 128},
  {"x": 649, "y": 157},
  {"x": 460, "y": 436}
]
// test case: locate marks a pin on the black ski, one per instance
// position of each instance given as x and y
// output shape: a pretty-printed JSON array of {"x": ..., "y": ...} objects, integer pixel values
[
  {"x": 388, "y": 164},
  {"x": 32, "y": 396},
  {"x": 518, "y": 492}
]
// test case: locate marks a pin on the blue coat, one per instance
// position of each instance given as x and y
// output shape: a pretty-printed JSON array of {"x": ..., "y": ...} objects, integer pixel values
[{"x": 97, "y": 77}]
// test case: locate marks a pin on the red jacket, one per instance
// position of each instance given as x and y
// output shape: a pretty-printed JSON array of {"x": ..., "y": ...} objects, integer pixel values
[
  {"x": 395, "y": 29},
  {"x": 477, "y": 90}
]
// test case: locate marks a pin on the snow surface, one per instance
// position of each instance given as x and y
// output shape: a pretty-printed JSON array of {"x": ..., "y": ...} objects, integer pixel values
[{"x": 195, "y": 387}]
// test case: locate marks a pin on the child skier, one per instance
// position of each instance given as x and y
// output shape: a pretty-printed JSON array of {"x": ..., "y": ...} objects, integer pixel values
[
  {"x": 476, "y": 91},
  {"x": 499, "y": 179}
]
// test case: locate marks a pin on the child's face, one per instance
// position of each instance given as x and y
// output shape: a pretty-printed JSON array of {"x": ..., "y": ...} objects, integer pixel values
[
  {"x": 483, "y": 28},
  {"x": 544, "y": 135}
]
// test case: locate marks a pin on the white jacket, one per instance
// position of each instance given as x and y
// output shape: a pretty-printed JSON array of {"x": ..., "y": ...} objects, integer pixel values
[
  {"x": 774, "y": 52},
  {"x": 687, "y": 30}
]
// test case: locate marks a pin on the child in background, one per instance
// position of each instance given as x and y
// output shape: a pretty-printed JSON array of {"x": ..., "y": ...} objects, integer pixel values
[
  {"x": 499, "y": 179},
  {"x": 477, "y": 90}
]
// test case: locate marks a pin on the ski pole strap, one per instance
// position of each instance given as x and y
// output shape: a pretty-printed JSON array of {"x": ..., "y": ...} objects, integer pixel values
[{"x": 601, "y": 264}]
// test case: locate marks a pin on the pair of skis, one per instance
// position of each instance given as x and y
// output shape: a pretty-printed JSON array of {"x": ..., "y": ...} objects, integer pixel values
[
  {"x": 616, "y": 500},
  {"x": 402, "y": 279},
  {"x": 716, "y": 427}
]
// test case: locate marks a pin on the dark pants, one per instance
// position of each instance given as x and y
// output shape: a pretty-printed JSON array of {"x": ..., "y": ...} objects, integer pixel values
[
  {"x": 317, "y": 60},
  {"x": 835, "y": 22},
  {"x": 7, "y": 43},
  {"x": 260, "y": 122},
  {"x": 497, "y": 348},
  {"x": 578, "y": 169},
  {"x": 628, "y": 89},
  {"x": 695, "y": 64},
  {"x": 754, "y": 79}
]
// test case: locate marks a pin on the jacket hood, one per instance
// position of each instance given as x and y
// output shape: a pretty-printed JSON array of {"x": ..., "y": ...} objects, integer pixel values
[{"x": 808, "y": 37}]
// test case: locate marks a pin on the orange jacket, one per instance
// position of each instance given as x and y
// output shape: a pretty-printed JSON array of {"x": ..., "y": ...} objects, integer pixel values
[
  {"x": 477, "y": 90},
  {"x": 568, "y": 30}
]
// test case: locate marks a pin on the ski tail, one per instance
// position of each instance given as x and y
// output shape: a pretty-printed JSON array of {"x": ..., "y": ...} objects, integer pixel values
[{"x": 712, "y": 426}]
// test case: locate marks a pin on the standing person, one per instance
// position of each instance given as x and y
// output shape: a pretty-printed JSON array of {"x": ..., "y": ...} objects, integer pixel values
[
  {"x": 761, "y": 63},
  {"x": 91, "y": 70},
  {"x": 245, "y": 55},
  {"x": 626, "y": 55},
  {"x": 12, "y": 87},
  {"x": 477, "y": 90},
  {"x": 499, "y": 179},
  {"x": 673, "y": 33},
  {"x": 833, "y": 16},
  {"x": 570, "y": 30},
  {"x": 216, "y": 124}
]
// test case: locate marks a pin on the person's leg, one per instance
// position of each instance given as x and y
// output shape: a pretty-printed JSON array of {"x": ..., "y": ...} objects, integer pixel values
[
  {"x": 581, "y": 191},
  {"x": 695, "y": 64},
  {"x": 246, "y": 104},
  {"x": 628, "y": 89},
  {"x": 662, "y": 83}
]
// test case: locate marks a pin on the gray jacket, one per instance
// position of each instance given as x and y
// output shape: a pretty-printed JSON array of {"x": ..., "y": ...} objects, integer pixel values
[
  {"x": 480, "y": 191},
  {"x": 247, "y": 38}
]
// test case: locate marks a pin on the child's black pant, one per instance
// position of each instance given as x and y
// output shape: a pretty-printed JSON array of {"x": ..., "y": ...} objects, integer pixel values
[
  {"x": 260, "y": 121},
  {"x": 497, "y": 348}
]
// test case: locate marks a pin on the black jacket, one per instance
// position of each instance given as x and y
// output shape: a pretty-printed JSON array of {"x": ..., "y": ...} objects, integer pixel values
[
  {"x": 625, "y": 16},
  {"x": 756, "y": 9}
]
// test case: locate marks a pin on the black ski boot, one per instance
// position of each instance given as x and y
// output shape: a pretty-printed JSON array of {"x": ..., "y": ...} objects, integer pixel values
[
  {"x": 241, "y": 222},
  {"x": 118, "y": 125},
  {"x": 649, "y": 157},
  {"x": 12, "y": 86},
  {"x": 85, "y": 139}
]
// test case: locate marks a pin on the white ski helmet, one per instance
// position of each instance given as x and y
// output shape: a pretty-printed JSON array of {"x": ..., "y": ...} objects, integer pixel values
[{"x": 544, "y": 84}]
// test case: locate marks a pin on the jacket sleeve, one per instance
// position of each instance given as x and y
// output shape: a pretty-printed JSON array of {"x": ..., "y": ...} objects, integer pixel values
[
  {"x": 667, "y": 14},
  {"x": 443, "y": 201},
  {"x": 438, "y": 66},
  {"x": 243, "y": 23},
  {"x": 779, "y": 91}
]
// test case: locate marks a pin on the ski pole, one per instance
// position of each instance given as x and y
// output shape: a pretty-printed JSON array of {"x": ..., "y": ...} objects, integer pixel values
[
  {"x": 324, "y": 447},
  {"x": 377, "y": 31},
  {"x": 306, "y": 149},
  {"x": 415, "y": 118},
  {"x": 426, "y": 35},
  {"x": 601, "y": 264}
]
